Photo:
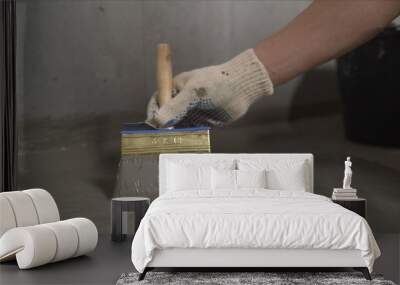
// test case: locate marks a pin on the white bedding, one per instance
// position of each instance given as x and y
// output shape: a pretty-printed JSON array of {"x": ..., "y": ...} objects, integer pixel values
[{"x": 250, "y": 218}]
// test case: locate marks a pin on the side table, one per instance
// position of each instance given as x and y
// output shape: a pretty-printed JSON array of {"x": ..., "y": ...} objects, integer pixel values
[
  {"x": 358, "y": 206},
  {"x": 119, "y": 214}
]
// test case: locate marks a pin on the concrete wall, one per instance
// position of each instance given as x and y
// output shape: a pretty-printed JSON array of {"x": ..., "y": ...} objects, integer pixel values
[
  {"x": 97, "y": 57},
  {"x": 85, "y": 67}
]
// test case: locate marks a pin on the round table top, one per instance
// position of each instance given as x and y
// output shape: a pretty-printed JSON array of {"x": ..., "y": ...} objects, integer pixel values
[{"x": 130, "y": 199}]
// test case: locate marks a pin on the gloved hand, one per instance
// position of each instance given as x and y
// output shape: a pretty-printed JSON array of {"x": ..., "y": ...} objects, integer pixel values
[{"x": 214, "y": 95}]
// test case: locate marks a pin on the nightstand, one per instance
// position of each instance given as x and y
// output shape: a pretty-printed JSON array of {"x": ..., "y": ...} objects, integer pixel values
[
  {"x": 120, "y": 207},
  {"x": 358, "y": 206}
]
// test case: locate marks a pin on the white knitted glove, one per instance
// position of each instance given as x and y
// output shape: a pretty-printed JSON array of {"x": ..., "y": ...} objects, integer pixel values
[{"x": 214, "y": 95}]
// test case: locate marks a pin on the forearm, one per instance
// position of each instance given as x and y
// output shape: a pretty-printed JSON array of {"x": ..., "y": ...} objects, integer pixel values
[{"x": 325, "y": 30}]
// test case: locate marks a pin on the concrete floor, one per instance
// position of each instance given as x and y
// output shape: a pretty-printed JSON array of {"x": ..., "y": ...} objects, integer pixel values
[
  {"x": 110, "y": 260},
  {"x": 103, "y": 266}
]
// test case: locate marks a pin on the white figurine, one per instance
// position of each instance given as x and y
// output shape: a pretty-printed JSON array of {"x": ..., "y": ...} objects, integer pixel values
[{"x": 347, "y": 174}]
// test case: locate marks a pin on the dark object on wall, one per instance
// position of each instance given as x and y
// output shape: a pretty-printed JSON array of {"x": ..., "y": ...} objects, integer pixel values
[
  {"x": 369, "y": 83},
  {"x": 7, "y": 96}
]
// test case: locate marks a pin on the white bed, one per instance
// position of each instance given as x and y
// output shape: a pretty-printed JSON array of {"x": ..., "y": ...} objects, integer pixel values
[{"x": 248, "y": 227}]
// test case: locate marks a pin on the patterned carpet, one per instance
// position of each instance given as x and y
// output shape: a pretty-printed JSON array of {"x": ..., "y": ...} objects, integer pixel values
[{"x": 243, "y": 278}]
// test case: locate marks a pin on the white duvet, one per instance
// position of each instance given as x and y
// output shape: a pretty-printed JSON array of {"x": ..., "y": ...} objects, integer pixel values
[{"x": 250, "y": 219}]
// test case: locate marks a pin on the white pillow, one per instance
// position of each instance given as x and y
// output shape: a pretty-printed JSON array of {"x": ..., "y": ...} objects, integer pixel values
[
  {"x": 251, "y": 178},
  {"x": 290, "y": 179},
  {"x": 281, "y": 174},
  {"x": 183, "y": 177},
  {"x": 228, "y": 179},
  {"x": 223, "y": 179}
]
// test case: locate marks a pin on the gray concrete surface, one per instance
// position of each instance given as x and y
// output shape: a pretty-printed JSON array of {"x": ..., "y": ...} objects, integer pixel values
[
  {"x": 85, "y": 67},
  {"x": 91, "y": 57}
]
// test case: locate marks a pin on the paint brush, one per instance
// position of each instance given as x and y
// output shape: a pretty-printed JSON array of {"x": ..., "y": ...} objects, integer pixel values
[{"x": 144, "y": 137}]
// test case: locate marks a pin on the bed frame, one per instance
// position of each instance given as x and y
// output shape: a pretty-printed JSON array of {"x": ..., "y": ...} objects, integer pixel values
[{"x": 249, "y": 259}]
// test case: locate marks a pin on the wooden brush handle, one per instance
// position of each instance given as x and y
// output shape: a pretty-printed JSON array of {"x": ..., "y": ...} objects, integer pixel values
[{"x": 164, "y": 74}]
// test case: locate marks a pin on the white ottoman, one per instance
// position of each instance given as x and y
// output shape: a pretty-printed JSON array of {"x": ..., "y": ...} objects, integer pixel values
[{"x": 31, "y": 232}]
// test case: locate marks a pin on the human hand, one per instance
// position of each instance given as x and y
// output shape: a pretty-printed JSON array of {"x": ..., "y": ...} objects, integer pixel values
[{"x": 214, "y": 95}]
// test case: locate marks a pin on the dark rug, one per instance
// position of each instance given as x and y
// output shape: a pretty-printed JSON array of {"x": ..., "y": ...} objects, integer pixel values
[{"x": 269, "y": 278}]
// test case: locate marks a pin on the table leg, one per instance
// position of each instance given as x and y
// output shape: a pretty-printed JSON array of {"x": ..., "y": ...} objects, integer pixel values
[{"x": 116, "y": 221}]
